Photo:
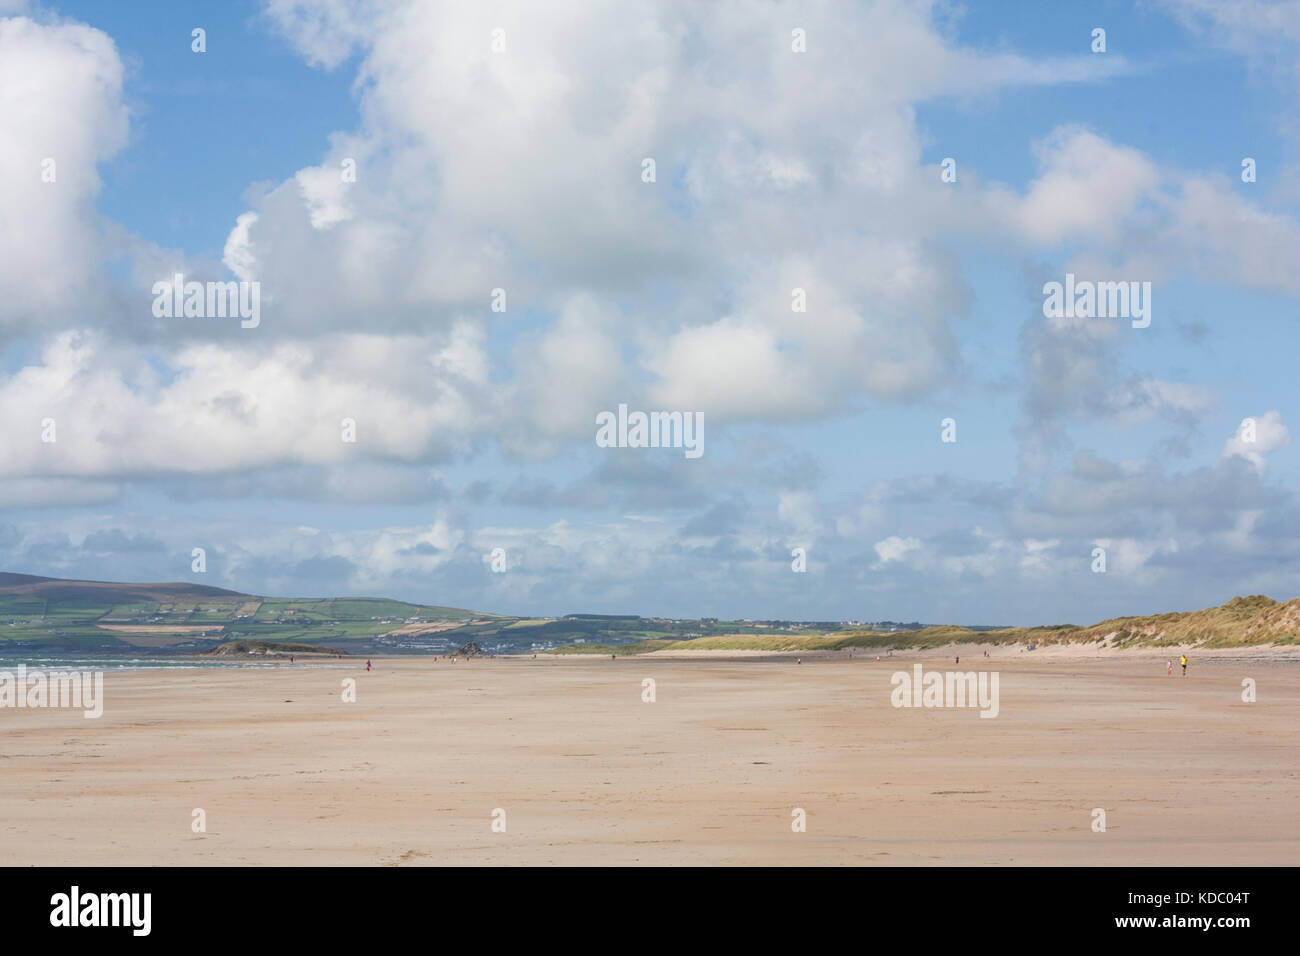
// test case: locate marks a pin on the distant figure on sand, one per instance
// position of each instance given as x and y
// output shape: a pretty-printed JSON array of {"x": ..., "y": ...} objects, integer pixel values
[
  {"x": 1169, "y": 668},
  {"x": 797, "y": 661},
  {"x": 367, "y": 665},
  {"x": 1183, "y": 660},
  {"x": 958, "y": 659},
  {"x": 290, "y": 658}
]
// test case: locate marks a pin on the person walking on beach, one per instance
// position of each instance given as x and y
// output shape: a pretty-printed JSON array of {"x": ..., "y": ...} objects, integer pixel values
[
  {"x": 367, "y": 666},
  {"x": 1183, "y": 660},
  {"x": 1169, "y": 668}
]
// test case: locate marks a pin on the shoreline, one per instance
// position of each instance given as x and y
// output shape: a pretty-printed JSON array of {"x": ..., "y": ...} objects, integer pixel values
[
  {"x": 970, "y": 654},
  {"x": 973, "y": 652}
]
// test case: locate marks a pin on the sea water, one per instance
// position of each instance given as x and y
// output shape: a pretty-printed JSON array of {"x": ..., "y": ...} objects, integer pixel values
[{"x": 11, "y": 659}]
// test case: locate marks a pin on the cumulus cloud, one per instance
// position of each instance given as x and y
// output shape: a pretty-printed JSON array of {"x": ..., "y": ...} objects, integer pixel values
[
  {"x": 895, "y": 548},
  {"x": 1128, "y": 218},
  {"x": 61, "y": 114},
  {"x": 1086, "y": 187},
  {"x": 1257, "y": 437},
  {"x": 944, "y": 550},
  {"x": 520, "y": 170},
  {"x": 230, "y": 409}
]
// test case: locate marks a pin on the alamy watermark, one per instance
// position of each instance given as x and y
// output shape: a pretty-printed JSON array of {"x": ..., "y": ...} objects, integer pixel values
[
  {"x": 1098, "y": 300},
  {"x": 175, "y": 298},
  {"x": 946, "y": 689},
  {"x": 75, "y": 908},
  {"x": 652, "y": 430},
  {"x": 76, "y": 689}
]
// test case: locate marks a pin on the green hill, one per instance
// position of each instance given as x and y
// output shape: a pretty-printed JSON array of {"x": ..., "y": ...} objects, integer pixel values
[{"x": 104, "y": 617}]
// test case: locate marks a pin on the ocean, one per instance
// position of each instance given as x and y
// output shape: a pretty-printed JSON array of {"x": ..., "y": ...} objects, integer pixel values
[{"x": 120, "y": 662}]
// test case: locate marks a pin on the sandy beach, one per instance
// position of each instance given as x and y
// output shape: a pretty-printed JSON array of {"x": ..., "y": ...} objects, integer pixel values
[{"x": 586, "y": 772}]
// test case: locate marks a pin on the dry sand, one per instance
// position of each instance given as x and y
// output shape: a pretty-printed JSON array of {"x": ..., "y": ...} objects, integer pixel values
[{"x": 708, "y": 774}]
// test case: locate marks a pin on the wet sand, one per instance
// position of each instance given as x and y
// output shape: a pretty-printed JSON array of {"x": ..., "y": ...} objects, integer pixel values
[{"x": 588, "y": 773}]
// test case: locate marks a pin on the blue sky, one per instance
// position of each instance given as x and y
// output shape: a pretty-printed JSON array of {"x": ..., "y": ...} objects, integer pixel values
[{"x": 520, "y": 168}]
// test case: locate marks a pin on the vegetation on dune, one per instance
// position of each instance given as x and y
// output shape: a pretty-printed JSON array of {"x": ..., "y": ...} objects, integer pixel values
[
  {"x": 781, "y": 642},
  {"x": 1242, "y": 622},
  {"x": 272, "y": 649},
  {"x": 622, "y": 650}
]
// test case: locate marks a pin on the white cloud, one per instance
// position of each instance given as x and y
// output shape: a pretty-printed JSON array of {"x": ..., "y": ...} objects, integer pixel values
[
  {"x": 325, "y": 193},
  {"x": 61, "y": 113},
  {"x": 1130, "y": 555},
  {"x": 521, "y": 170},
  {"x": 895, "y": 548},
  {"x": 238, "y": 254},
  {"x": 798, "y": 510},
  {"x": 1256, "y": 438},
  {"x": 235, "y": 408},
  {"x": 1086, "y": 188},
  {"x": 1259, "y": 29}
]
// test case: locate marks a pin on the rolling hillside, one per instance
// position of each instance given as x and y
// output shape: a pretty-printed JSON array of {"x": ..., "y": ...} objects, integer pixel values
[
  {"x": 105, "y": 617},
  {"x": 100, "y": 617}
]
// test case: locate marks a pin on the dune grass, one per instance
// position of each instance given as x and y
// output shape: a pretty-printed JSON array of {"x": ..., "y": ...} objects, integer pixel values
[{"x": 1242, "y": 622}]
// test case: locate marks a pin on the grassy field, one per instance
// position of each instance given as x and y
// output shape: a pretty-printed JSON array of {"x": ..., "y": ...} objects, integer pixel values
[{"x": 103, "y": 617}]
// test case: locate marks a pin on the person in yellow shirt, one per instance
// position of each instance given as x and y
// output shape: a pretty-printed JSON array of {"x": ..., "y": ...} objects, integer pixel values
[{"x": 1183, "y": 660}]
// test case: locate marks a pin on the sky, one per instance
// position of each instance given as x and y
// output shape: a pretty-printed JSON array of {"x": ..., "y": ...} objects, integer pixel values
[{"x": 839, "y": 265}]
